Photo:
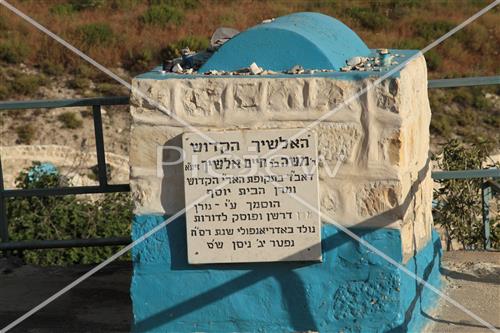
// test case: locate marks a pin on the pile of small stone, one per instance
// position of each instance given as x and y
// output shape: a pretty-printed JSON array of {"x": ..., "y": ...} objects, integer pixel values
[
  {"x": 176, "y": 66},
  {"x": 383, "y": 59},
  {"x": 190, "y": 61},
  {"x": 254, "y": 69}
]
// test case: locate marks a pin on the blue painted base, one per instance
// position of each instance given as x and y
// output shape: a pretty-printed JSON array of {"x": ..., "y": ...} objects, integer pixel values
[{"x": 352, "y": 290}]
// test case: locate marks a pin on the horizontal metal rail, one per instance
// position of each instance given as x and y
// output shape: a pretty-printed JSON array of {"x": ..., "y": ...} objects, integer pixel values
[
  {"x": 64, "y": 243},
  {"x": 103, "y": 186},
  {"x": 464, "y": 82},
  {"x": 466, "y": 174},
  {"x": 65, "y": 190},
  {"x": 64, "y": 103}
]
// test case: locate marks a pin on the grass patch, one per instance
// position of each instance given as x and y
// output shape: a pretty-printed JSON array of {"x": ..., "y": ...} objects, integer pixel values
[
  {"x": 4, "y": 91},
  {"x": 25, "y": 84},
  {"x": 434, "y": 60},
  {"x": 140, "y": 60},
  {"x": 62, "y": 9},
  {"x": 87, "y": 4},
  {"x": 51, "y": 68},
  {"x": 94, "y": 34},
  {"x": 14, "y": 50},
  {"x": 184, "y": 4},
  {"x": 70, "y": 120},
  {"x": 3, "y": 24},
  {"x": 79, "y": 83},
  {"x": 25, "y": 133},
  {"x": 368, "y": 18},
  {"x": 430, "y": 30},
  {"x": 162, "y": 15}
]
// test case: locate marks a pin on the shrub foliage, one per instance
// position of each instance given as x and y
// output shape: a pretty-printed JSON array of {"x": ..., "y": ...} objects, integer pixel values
[
  {"x": 458, "y": 209},
  {"x": 66, "y": 217},
  {"x": 70, "y": 120},
  {"x": 162, "y": 15}
]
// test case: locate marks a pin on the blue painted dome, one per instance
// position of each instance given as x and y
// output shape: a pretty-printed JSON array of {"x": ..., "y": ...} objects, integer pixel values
[{"x": 312, "y": 40}]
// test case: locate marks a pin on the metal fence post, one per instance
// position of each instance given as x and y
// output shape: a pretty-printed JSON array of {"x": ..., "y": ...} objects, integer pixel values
[
  {"x": 99, "y": 145},
  {"x": 4, "y": 229},
  {"x": 486, "y": 197}
]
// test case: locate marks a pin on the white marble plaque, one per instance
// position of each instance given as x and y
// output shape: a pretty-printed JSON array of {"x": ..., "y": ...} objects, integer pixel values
[{"x": 249, "y": 214}]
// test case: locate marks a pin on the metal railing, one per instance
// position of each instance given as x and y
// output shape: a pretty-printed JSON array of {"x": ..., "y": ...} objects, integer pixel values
[
  {"x": 489, "y": 187},
  {"x": 103, "y": 186}
]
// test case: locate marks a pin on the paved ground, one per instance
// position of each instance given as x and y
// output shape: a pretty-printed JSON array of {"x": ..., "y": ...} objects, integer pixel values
[
  {"x": 472, "y": 279},
  {"x": 102, "y": 303}
]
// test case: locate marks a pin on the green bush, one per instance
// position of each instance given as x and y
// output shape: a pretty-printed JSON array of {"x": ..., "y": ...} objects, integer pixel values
[
  {"x": 431, "y": 30},
  {"x": 26, "y": 84},
  {"x": 184, "y": 4},
  {"x": 3, "y": 24},
  {"x": 66, "y": 217},
  {"x": 401, "y": 8},
  {"x": 140, "y": 60},
  {"x": 4, "y": 91},
  {"x": 475, "y": 37},
  {"x": 25, "y": 133},
  {"x": 458, "y": 208},
  {"x": 70, "y": 120},
  {"x": 463, "y": 96},
  {"x": 85, "y": 71},
  {"x": 434, "y": 60},
  {"x": 63, "y": 9},
  {"x": 368, "y": 18},
  {"x": 124, "y": 4},
  {"x": 52, "y": 68},
  {"x": 87, "y": 4},
  {"x": 162, "y": 15},
  {"x": 440, "y": 124},
  {"x": 482, "y": 103},
  {"x": 95, "y": 34},
  {"x": 79, "y": 83},
  {"x": 195, "y": 43},
  {"x": 14, "y": 50}
]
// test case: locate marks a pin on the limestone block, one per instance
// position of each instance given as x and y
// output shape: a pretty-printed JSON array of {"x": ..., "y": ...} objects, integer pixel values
[
  {"x": 338, "y": 141},
  {"x": 377, "y": 197},
  {"x": 373, "y": 153},
  {"x": 145, "y": 142},
  {"x": 215, "y": 102}
]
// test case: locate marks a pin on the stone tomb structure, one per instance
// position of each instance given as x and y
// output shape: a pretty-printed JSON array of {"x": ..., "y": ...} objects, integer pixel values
[{"x": 372, "y": 176}]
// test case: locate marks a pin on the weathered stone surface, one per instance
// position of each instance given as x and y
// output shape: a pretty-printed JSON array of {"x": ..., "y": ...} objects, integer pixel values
[
  {"x": 371, "y": 151},
  {"x": 377, "y": 197}
]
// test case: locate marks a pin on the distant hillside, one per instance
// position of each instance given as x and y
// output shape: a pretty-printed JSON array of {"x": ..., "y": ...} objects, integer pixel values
[{"x": 132, "y": 36}]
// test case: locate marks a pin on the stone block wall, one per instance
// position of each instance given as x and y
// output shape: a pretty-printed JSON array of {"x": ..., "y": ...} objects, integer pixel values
[{"x": 380, "y": 139}]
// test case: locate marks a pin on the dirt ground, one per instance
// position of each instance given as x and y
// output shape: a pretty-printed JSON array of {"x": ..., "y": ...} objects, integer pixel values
[{"x": 102, "y": 303}]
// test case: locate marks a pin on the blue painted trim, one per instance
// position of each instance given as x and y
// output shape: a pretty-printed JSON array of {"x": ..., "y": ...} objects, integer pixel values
[{"x": 352, "y": 290}]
